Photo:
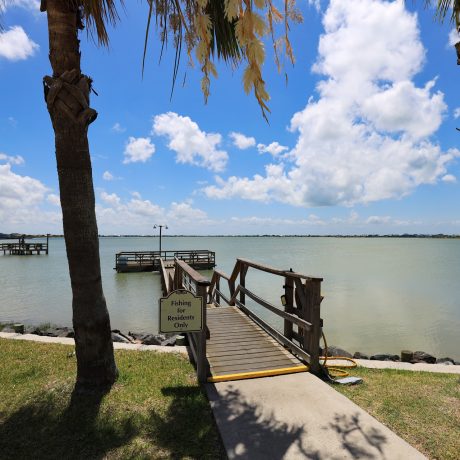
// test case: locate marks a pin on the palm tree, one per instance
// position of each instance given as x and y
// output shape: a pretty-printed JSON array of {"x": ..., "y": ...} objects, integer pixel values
[
  {"x": 67, "y": 94},
  {"x": 67, "y": 98}
]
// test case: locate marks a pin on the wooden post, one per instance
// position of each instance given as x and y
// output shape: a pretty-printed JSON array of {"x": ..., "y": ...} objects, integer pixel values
[
  {"x": 47, "y": 243},
  {"x": 217, "y": 290},
  {"x": 313, "y": 296},
  {"x": 289, "y": 306},
  {"x": 243, "y": 272},
  {"x": 201, "y": 365}
]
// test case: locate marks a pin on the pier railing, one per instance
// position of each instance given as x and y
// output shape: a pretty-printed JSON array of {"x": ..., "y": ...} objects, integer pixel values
[
  {"x": 185, "y": 277},
  {"x": 24, "y": 248},
  {"x": 300, "y": 308},
  {"x": 149, "y": 260}
]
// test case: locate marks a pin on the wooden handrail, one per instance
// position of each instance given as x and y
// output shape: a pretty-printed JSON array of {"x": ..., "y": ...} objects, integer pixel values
[
  {"x": 302, "y": 294},
  {"x": 274, "y": 271},
  {"x": 276, "y": 334},
  {"x": 198, "y": 278},
  {"x": 287, "y": 316},
  {"x": 164, "y": 278}
]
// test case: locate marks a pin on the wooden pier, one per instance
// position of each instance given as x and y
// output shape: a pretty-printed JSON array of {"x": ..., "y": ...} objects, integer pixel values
[
  {"x": 148, "y": 261},
  {"x": 238, "y": 344},
  {"x": 25, "y": 248}
]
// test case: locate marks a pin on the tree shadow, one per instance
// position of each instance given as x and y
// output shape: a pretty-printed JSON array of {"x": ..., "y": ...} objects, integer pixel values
[
  {"x": 269, "y": 437},
  {"x": 46, "y": 429},
  {"x": 250, "y": 431},
  {"x": 360, "y": 441},
  {"x": 185, "y": 430}
]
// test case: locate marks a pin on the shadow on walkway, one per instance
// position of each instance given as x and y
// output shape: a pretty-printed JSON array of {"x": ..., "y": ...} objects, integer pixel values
[{"x": 251, "y": 431}]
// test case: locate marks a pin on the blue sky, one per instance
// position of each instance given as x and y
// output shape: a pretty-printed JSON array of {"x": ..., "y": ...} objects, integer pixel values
[{"x": 361, "y": 140}]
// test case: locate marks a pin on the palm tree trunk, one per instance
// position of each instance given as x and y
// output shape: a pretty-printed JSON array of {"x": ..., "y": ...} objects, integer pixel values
[{"x": 67, "y": 98}]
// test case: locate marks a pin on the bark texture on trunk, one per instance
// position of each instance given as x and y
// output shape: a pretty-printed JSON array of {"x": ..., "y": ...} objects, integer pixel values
[{"x": 67, "y": 98}]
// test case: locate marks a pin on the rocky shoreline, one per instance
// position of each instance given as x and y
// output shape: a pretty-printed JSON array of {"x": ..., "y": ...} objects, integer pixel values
[
  {"x": 170, "y": 340},
  {"x": 406, "y": 356},
  {"x": 49, "y": 330}
]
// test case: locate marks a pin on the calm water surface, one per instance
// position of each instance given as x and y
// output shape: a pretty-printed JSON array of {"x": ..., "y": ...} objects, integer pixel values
[{"x": 381, "y": 295}]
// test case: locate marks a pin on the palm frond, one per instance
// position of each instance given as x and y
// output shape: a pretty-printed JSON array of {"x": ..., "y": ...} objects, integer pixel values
[
  {"x": 223, "y": 41},
  {"x": 445, "y": 8},
  {"x": 97, "y": 14}
]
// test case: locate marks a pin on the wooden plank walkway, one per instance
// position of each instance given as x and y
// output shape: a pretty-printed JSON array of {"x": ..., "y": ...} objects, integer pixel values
[{"x": 239, "y": 349}]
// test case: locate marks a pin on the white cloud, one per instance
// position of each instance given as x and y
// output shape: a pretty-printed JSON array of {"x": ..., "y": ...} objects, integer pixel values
[
  {"x": 137, "y": 214},
  {"x": 53, "y": 199},
  {"x": 117, "y": 128},
  {"x": 378, "y": 220},
  {"x": 191, "y": 145},
  {"x": 184, "y": 212},
  {"x": 16, "y": 160},
  {"x": 273, "y": 149},
  {"x": 107, "y": 175},
  {"x": 361, "y": 140},
  {"x": 454, "y": 37},
  {"x": 449, "y": 178},
  {"x": 15, "y": 45},
  {"x": 20, "y": 201},
  {"x": 138, "y": 149},
  {"x": 241, "y": 141},
  {"x": 33, "y": 5},
  {"x": 110, "y": 198},
  {"x": 316, "y": 4},
  {"x": 457, "y": 112}
]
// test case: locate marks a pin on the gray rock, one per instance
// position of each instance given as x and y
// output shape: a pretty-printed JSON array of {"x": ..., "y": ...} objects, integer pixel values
[
  {"x": 150, "y": 339},
  {"x": 359, "y": 355},
  {"x": 169, "y": 342},
  {"x": 119, "y": 338},
  {"x": 422, "y": 357},
  {"x": 65, "y": 332},
  {"x": 50, "y": 332},
  {"x": 384, "y": 357},
  {"x": 445, "y": 361},
  {"x": 336, "y": 351},
  {"x": 127, "y": 337},
  {"x": 8, "y": 329}
]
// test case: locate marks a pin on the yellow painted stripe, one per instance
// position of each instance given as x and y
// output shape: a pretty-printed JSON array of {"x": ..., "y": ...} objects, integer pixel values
[{"x": 255, "y": 374}]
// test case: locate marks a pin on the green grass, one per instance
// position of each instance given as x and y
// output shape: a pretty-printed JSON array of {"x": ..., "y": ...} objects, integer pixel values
[
  {"x": 155, "y": 410},
  {"x": 421, "y": 407}
]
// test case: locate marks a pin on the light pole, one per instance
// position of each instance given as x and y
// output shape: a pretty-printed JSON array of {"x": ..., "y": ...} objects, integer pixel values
[{"x": 161, "y": 227}]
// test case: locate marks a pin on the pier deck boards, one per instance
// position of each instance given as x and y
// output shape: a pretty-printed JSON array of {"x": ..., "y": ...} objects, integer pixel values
[{"x": 239, "y": 349}]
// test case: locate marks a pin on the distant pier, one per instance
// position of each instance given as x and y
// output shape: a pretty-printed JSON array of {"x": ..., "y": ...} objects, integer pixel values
[
  {"x": 25, "y": 248},
  {"x": 148, "y": 261}
]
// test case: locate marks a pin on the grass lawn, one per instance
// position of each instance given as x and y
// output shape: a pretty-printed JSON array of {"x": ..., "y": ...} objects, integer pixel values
[
  {"x": 421, "y": 407},
  {"x": 155, "y": 410}
]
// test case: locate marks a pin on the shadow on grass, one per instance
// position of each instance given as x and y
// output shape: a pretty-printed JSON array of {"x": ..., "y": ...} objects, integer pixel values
[
  {"x": 47, "y": 428},
  {"x": 187, "y": 429},
  {"x": 58, "y": 425}
]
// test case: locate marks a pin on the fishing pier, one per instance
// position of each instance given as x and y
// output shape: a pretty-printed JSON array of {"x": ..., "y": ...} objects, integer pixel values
[
  {"x": 25, "y": 248},
  {"x": 148, "y": 261},
  {"x": 237, "y": 343}
]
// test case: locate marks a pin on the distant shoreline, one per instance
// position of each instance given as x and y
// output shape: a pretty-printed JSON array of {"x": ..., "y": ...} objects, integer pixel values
[{"x": 13, "y": 236}]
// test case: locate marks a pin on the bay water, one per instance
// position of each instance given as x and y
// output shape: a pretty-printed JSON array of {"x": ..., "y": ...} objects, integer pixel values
[{"x": 381, "y": 294}]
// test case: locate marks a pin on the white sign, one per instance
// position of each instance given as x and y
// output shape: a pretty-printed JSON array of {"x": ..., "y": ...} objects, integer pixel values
[{"x": 181, "y": 311}]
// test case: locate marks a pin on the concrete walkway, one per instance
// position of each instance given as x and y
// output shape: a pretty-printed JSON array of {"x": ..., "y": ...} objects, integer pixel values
[{"x": 298, "y": 416}]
